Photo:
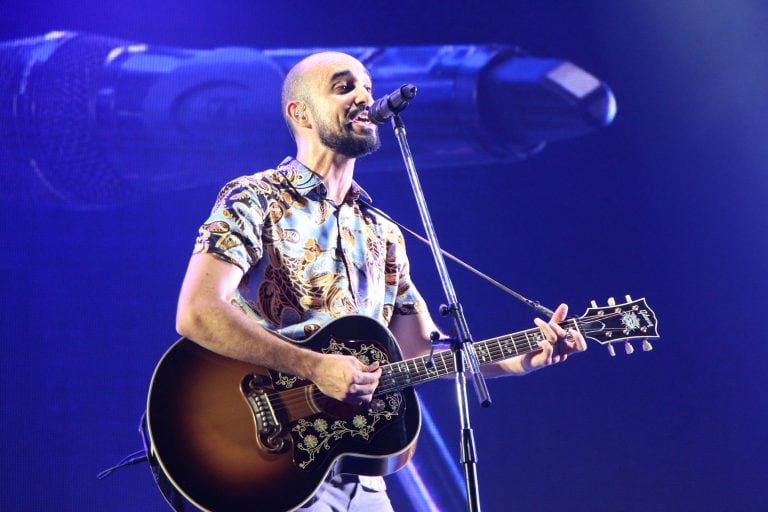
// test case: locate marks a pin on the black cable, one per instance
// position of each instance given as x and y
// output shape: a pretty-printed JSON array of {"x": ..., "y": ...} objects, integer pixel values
[{"x": 536, "y": 305}]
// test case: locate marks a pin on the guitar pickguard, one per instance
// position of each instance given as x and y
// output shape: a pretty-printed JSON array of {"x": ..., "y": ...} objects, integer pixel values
[
  {"x": 319, "y": 437},
  {"x": 315, "y": 437}
]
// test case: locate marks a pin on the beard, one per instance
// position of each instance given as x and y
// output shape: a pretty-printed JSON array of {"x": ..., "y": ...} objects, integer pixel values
[{"x": 346, "y": 142}]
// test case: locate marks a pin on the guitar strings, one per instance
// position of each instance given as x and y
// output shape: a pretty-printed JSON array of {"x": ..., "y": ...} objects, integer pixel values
[
  {"x": 403, "y": 378},
  {"x": 397, "y": 375},
  {"x": 393, "y": 380}
]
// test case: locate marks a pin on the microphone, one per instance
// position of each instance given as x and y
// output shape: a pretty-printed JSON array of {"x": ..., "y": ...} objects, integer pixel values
[
  {"x": 391, "y": 104},
  {"x": 91, "y": 121}
]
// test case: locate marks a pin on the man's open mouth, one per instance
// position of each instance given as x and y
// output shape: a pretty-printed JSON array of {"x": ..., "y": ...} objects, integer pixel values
[{"x": 361, "y": 118}]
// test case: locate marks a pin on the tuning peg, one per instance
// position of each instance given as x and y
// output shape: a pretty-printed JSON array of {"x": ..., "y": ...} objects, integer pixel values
[
  {"x": 628, "y": 348},
  {"x": 647, "y": 347},
  {"x": 629, "y": 299},
  {"x": 611, "y": 350},
  {"x": 611, "y": 301},
  {"x": 594, "y": 304}
]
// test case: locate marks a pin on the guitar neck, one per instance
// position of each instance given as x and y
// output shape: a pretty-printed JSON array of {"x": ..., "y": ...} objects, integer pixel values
[{"x": 409, "y": 372}]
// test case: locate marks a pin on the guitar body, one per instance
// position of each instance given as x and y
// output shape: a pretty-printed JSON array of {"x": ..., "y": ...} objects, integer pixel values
[{"x": 229, "y": 436}]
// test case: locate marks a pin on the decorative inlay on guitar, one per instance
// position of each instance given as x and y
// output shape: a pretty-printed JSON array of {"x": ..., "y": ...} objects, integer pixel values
[{"x": 230, "y": 436}]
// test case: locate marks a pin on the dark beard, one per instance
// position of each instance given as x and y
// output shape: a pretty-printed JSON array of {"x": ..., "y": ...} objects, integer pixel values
[{"x": 349, "y": 144}]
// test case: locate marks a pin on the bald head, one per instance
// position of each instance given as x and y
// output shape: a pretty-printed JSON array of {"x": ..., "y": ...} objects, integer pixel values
[{"x": 309, "y": 74}]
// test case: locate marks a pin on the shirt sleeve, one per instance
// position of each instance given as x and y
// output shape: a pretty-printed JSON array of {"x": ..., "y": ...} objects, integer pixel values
[
  {"x": 408, "y": 300},
  {"x": 232, "y": 232}
]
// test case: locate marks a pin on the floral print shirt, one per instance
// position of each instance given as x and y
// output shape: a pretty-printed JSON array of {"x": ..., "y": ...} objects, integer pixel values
[{"x": 307, "y": 260}]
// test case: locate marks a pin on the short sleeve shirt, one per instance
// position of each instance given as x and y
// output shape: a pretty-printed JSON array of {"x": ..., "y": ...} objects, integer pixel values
[{"x": 305, "y": 259}]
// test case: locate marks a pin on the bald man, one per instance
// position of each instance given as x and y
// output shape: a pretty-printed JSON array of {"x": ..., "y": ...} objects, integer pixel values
[{"x": 289, "y": 249}]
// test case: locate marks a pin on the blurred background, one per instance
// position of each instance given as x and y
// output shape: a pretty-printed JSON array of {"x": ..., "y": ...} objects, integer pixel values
[{"x": 667, "y": 203}]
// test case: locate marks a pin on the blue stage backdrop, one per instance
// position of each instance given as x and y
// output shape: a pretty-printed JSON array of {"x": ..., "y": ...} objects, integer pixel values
[{"x": 667, "y": 203}]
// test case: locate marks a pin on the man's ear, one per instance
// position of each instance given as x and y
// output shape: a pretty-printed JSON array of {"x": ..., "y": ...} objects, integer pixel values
[{"x": 297, "y": 111}]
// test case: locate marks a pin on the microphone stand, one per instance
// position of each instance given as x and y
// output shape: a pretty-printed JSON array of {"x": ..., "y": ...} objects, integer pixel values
[{"x": 463, "y": 350}]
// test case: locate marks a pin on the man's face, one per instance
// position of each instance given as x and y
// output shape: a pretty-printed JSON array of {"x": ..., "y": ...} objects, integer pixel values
[{"x": 340, "y": 96}]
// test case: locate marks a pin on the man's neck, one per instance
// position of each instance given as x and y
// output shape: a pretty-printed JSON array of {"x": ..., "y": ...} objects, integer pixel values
[{"x": 335, "y": 170}]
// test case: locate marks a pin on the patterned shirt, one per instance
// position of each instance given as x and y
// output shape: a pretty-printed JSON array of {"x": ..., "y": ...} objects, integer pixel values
[{"x": 305, "y": 259}]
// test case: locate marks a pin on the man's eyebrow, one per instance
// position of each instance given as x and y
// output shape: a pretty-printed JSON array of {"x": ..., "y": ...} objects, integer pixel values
[
  {"x": 344, "y": 74},
  {"x": 340, "y": 74}
]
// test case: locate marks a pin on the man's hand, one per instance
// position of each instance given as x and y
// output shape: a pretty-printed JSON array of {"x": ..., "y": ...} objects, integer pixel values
[
  {"x": 345, "y": 378},
  {"x": 559, "y": 343}
]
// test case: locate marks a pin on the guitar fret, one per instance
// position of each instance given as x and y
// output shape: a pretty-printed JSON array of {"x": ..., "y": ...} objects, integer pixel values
[
  {"x": 533, "y": 345},
  {"x": 509, "y": 348},
  {"x": 501, "y": 347},
  {"x": 420, "y": 369},
  {"x": 392, "y": 377},
  {"x": 451, "y": 365},
  {"x": 428, "y": 372},
  {"x": 483, "y": 355},
  {"x": 445, "y": 365},
  {"x": 516, "y": 342},
  {"x": 485, "y": 347},
  {"x": 432, "y": 371},
  {"x": 387, "y": 378},
  {"x": 404, "y": 371}
]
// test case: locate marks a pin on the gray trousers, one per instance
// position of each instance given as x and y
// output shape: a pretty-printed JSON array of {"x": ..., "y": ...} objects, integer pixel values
[{"x": 344, "y": 493}]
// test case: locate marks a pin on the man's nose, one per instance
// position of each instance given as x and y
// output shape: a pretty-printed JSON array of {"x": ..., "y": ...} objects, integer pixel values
[{"x": 363, "y": 96}]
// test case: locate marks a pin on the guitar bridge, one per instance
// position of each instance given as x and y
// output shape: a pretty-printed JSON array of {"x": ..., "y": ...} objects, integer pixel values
[{"x": 268, "y": 427}]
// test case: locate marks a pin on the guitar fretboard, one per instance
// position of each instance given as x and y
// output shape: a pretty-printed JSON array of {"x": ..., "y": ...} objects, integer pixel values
[{"x": 396, "y": 376}]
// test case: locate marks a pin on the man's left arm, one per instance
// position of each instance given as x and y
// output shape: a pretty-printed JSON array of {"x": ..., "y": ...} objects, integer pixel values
[{"x": 413, "y": 331}]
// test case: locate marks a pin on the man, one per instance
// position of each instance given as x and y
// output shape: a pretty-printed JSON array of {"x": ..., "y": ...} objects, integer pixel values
[{"x": 287, "y": 250}]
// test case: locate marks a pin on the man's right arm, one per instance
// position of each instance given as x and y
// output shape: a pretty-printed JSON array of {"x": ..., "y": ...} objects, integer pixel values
[{"x": 206, "y": 316}]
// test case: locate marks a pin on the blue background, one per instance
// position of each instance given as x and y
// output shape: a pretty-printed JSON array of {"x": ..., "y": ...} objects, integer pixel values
[{"x": 666, "y": 203}]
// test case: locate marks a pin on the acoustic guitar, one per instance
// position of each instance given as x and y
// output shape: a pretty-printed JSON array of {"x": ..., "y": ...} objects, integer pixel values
[{"x": 224, "y": 435}]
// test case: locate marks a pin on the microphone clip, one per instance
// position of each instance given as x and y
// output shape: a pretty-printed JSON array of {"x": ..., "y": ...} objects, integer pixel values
[
  {"x": 391, "y": 104},
  {"x": 434, "y": 339}
]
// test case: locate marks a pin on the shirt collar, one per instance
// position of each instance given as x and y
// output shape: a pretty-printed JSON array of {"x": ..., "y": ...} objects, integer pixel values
[{"x": 305, "y": 180}]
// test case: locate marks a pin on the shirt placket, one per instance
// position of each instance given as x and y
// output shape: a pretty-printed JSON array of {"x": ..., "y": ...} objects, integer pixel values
[{"x": 344, "y": 251}]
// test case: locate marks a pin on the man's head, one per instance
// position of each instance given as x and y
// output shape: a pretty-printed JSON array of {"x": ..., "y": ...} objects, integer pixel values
[{"x": 325, "y": 99}]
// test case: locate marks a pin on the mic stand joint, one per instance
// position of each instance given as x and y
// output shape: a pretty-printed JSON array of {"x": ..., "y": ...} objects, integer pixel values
[{"x": 434, "y": 339}]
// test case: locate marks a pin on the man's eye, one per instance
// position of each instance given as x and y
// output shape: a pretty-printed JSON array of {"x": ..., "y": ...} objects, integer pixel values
[{"x": 343, "y": 87}]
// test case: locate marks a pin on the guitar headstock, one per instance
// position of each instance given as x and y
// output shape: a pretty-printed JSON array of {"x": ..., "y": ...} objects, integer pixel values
[{"x": 620, "y": 322}]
